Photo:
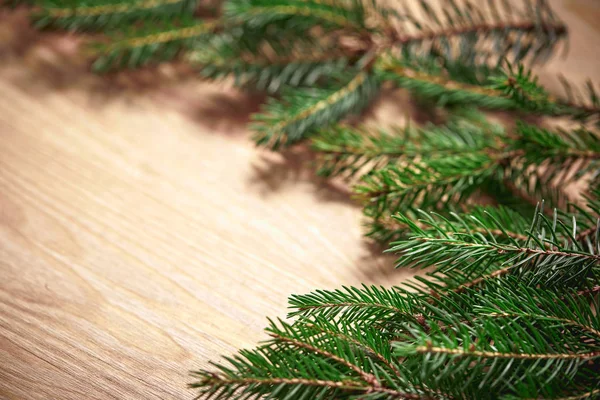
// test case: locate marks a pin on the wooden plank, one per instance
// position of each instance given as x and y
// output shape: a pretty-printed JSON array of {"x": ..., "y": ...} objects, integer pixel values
[{"x": 142, "y": 234}]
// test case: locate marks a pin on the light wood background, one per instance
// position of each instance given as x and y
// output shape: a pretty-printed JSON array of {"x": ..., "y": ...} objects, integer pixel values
[{"x": 142, "y": 234}]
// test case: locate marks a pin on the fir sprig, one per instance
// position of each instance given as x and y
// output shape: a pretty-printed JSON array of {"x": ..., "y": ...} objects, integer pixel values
[
  {"x": 348, "y": 151},
  {"x": 521, "y": 85},
  {"x": 164, "y": 41},
  {"x": 462, "y": 29},
  {"x": 272, "y": 64},
  {"x": 302, "y": 110},
  {"x": 551, "y": 254},
  {"x": 106, "y": 14},
  {"x": 300, "y": 14}
]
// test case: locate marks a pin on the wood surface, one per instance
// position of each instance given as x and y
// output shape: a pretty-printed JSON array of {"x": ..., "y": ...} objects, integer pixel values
[{"x": 141, "y": 232}]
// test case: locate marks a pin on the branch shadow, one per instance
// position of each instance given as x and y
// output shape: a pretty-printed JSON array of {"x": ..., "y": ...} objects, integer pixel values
[
  {"x": 42, "y": 62},
  {"x": 226, "y": 111},
  {"x": 275, "y": 172}
]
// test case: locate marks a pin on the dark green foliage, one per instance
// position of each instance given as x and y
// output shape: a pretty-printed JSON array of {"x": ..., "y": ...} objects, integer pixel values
[
  {"x": 298, "y": 15},
  {"x": 549, "y": 254},
  {"x": 522, "y": 86},
  {"x": 299, "y": 112},
  {"x": 431, "y": 183},
  {"x": 269, "y": 61},
  {"x": 528, "y": 163},
  {"x": 508, "y": 334},
  {"x": 348, "y": 151},
  {"x": 458, "y": 333},
  {"x": 137, "y": 47},
  {"x": 464, "y": 30},
  {"x": 106, "y": 14},
  {"x": 228, "y": 55}
]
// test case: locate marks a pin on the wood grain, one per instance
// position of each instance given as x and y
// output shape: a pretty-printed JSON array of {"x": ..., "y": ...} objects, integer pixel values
[{"x": 142, "y": 234}]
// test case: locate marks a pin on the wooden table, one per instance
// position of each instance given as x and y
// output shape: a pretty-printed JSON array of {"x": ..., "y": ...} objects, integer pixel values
[{"x": 141, "y": 232}]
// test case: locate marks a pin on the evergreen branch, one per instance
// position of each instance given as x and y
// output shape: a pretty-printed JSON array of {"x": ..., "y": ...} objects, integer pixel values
[
  {"x": 368, "y": 304},
  {"x": 565, "y": 321},
  {"x": 211, "y": 384},
  {"x": 579, "y": 143},
  {"x": 290, "y": 66},
  {"x": 406, "y": 180},
  {"x": 333, "y": 330},
  {"x": 513, "y": 89},
  {"x": 501, "y": 249},
  {"x": 432, "y": 183},
  {"x": 368, "y": 378},
  {"x": 520, "y": 85},
  {"x": 479, "y": 220},
  {"x": 392, "y": 230},
  {"x": 542, "y": 258},
  {"x": 512, "y": 301},
  {"x": 461, "y": 31},
  {"x": 444, "y": 91},
  {"x": 107, "y": 13},
  {"x": 496, "y": 354},
  {"x": 155, "y": 44},
  {"x": 483, "y": 28},
  {"x": 298, "y": 14},
  {"x": 302, "y": 111},
  {"x": 544, "y": 161},
  {"x": 465, "y": 343},
  {"x": 95, "y": 10},
  {"x": 496, "y": 223},
  {"x": 347, "y": 151},
  {"x": 299, "y": 360}
]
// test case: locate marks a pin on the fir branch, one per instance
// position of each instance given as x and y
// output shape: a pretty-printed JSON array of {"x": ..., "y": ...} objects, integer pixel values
[
  {"x": 432, "y": 183},
  {"x": 301, "y": 111},
  {"x": 347, "y": 151},
  {"x": 468, "y": 344},
  {"x": 458, "y": 30},
  {"x": 565, "y": 321},
  {"x": 479, "y": 220},
  {"x": 361, "y": 306},
  {"x": 107, "y": 14},
  {"x": 550, "y": 255},
  {"x": 299, "y": 14},
  {"x": 545, "y": 159},
  {"x": 213, "y": 383},
  {"x": 445, "y": 91},
  {"x": 495, "y": 354},
  {"x": 158, "y": 43},
  {"x": 302, "y": 357},
  {"x": 271, "y": 66},
  {"x": 513, "y": 89},
  {"x": 302, "y": 336},
  {"x": 521, "y": 85},
  {"x": 359, "y": 338}
]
